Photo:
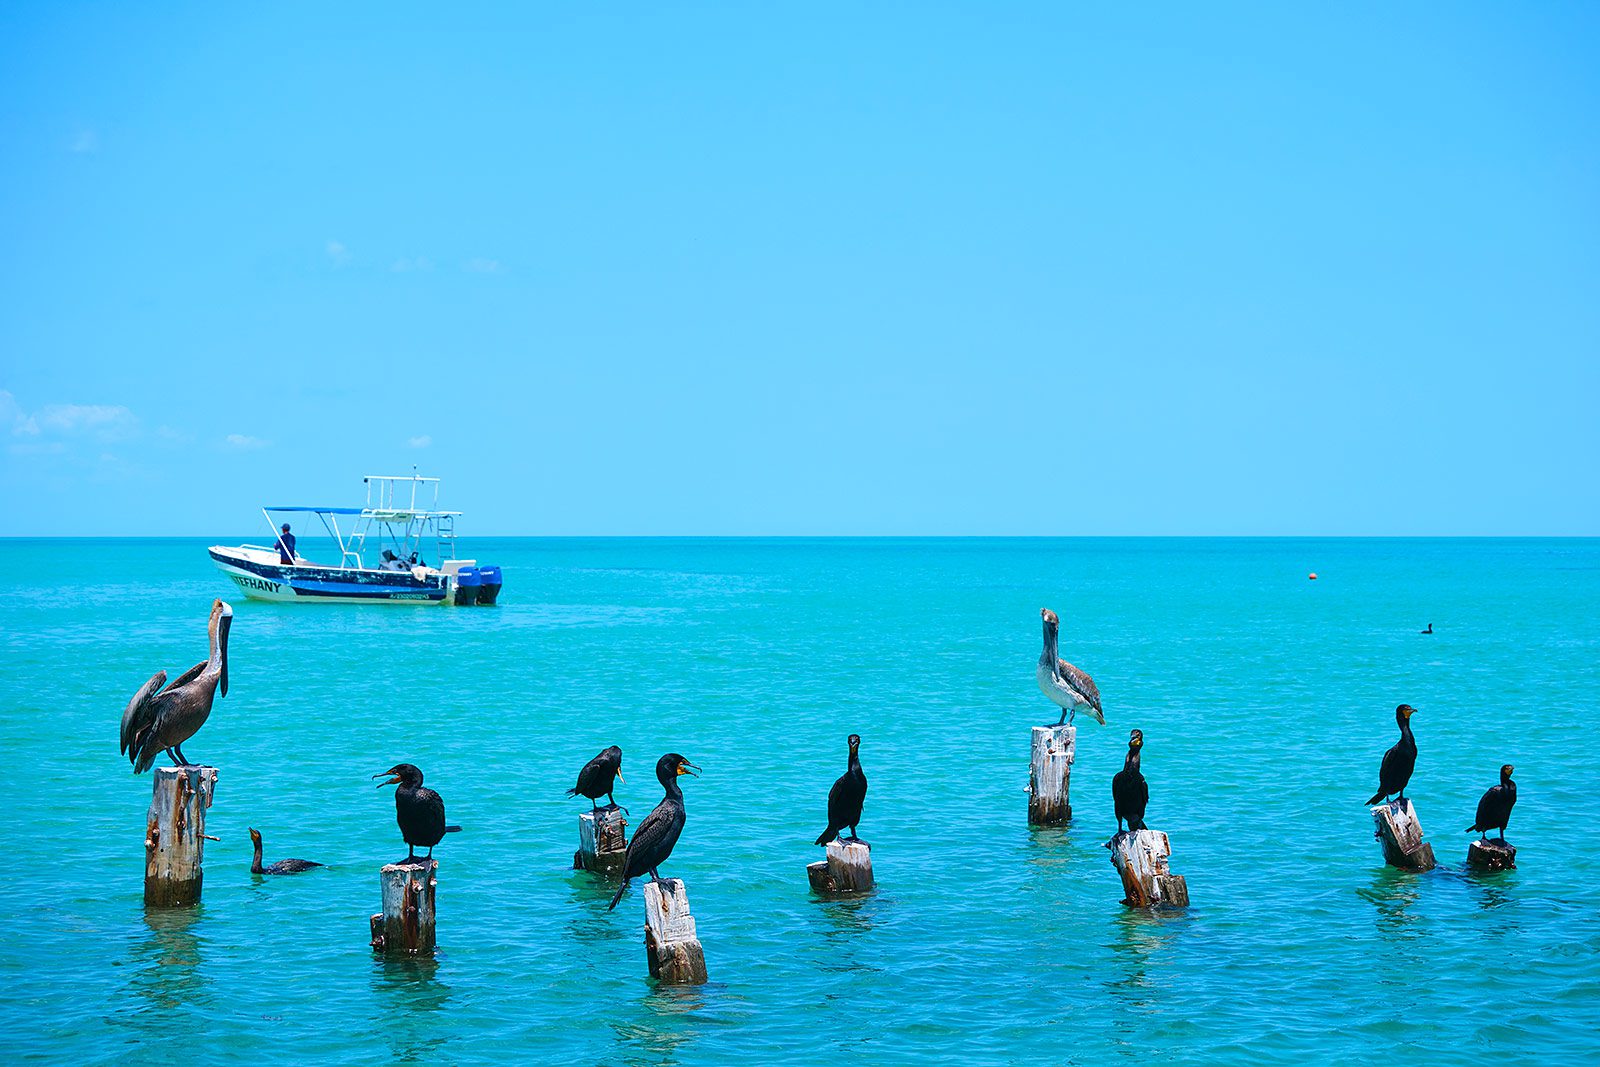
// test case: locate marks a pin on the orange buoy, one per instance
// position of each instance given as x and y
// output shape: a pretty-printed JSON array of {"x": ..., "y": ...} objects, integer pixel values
[{"x": 1313, "y": 576}]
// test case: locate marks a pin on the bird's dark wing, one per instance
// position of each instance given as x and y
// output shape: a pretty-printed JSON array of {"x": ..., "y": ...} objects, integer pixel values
[
  {"x": 1143, "y": 787},
  {"x": 1389, "y": 769},
  {"x": 137, "y": 716},
  {"x": 1079, "y": 681},
  {"x": 187, "y": 676},
  {"x": 839, "y": 803},
  {"x": 652, "y": 842}
]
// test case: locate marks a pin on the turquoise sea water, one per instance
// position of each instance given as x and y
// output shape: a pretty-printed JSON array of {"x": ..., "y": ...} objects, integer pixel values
[{"x": 1266, "y": 702}]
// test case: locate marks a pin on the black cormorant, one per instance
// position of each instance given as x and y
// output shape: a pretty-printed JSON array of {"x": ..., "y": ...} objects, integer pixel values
[
  {"x": 1495, "y": 807},
  {"x": 418, "y": 810},
  {"x": 652, "y": 842},
  {"x": 1130, "y": 793},
  {"x": 595, "y": 780},
  {"x": 846, "y": 796},
  {"x": 1065, "y": 685},
  {"x": 282, "y": 866},
  {"x": 1399, "y": 761},
  {"x": 1429, "y": 630},
  {"x": 159, "y": 720}
]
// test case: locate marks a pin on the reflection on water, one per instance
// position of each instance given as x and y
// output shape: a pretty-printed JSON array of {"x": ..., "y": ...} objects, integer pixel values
[
  {"x": 171, "y": 978},
  {"x": 842, "y": 924},
  {"x": 413, "y": 1001},
  {"x": 1393, "y": 892},
  {"x": 666, "y": 1025},
  {"x": 1049, "y": 848},
  {"x": 589, "y": 894}
]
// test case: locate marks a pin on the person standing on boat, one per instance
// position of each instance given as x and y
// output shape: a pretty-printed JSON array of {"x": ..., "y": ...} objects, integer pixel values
[{"x": 286, "y": 546}]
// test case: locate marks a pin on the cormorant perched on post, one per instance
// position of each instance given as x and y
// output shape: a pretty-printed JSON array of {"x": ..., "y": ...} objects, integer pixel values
[
  {"x": 1495, "y": 807},
  {"x": 1130, "y": 793},
  {"x": 595, "y": 780},
  {"x": 418, "y": 810},
  {"x": 1065, "y": 685},
  {"x": 846, "y": 796},
  {"x": 652, "y": 842},
  {"x": 158, "y": 719},
  {"x": 1399, "y": 761},
  {"x": 280, "y": 867}
]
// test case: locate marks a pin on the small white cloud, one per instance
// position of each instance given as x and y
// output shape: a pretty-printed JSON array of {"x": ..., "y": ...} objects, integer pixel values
[
  {"x": 106, "y": 422},
  {"x": 338, "y": 252},
  {"x": 420, "y": 442},
  {"x": 401, "y": 266},
  {"x": 86, "y": 141},
  {"x": 244, "y": 442},
  {"x": 479, "y": 265}
]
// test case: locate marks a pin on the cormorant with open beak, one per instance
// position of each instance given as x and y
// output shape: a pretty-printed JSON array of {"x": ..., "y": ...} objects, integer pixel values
[
  {"x": 1401, "y": 759},
  {"x": 596, "y": 778},
  {"x": 1066, "y": 686},
  {"x": 847, "y": 796},
  {"x": 652, "y": 842},
  {"x": 418, "y": 809},
  {"x": 1130, "y": 793},
  {"x": 1495, "y": 807},
  {"x": 159, "y": 720}
]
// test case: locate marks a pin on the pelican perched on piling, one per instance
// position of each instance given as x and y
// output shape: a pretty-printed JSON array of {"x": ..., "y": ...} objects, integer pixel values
[
  {"x": 159, "y": 720},
  {"x": 1067, "y": 686}
]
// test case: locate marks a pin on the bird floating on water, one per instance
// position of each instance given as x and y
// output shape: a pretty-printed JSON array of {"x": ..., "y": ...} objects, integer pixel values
[
  {"x": 281, "y": 866},
  {"x": 1130, "y": 793},
  {"x": 652, "y": 842},
  {"x": 418, "y": 809},
  {"x": 1399, "y": 761},
  {"x": 596, "y": 778},
  {"x": 159, "y": 720},
  {"x": 847, "y": 796},
  {"x": 1067, "y": 686},
  {"x": 1429, "y": 630},
  {"x": 1494, "y": 810}
]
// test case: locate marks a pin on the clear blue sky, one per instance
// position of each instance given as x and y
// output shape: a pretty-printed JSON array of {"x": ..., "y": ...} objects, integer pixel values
[{"x": 853, "y": 269}]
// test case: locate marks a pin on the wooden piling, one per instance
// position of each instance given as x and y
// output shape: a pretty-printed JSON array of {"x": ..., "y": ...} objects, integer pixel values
[
  {"x": 602, "y": 841},
  {"x": 406, "y": 925},
  {"x": 1492, "y": 855},
  {"x": 1140, "y": 857},
  {"x": 1049, "y": 768},
  {"x": 175, "y": 835},
  {"x": 1401, "y": 834},
  {"x": 670, "y": 943}
]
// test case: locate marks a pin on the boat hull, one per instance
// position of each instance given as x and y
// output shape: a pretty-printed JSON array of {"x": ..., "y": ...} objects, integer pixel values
[{"x": 305, "y": 583}]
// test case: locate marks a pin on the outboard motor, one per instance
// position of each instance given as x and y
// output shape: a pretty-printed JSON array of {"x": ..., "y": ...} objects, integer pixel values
[
  {"x": 489, "y": 584},
  {"x": 467, "y": 585}
]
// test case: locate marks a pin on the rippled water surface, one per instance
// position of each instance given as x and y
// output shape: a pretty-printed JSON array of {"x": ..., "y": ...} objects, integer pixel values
[{"x": 1266, "y": 702}]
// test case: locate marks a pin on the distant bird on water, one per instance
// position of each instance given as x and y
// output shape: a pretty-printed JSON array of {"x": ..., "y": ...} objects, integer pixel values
[
  {"x": 1067, "y": 686},
  {"x": 595, "y": 780},
  {"x": 1429, "y": 630},
  {"x": 280, "y": 867},
  {"x": 1399, "y": 761},
  {"x": 846, "y": 796},
  {"x": 1495, "y": 807},
  {"x": 159, "y": 720},
  {"x": 652, "y": 842},
  {"x": 418, "y": 809},
  {"x": 1130, "y": 793}
]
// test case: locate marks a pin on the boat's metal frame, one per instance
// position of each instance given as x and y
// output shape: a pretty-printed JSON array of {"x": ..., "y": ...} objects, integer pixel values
[{"x": 403, "y": 528}]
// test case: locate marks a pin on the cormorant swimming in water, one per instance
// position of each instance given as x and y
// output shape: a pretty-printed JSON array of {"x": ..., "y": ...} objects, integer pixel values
[
  {"x": 159, "y": 720},
  {"x": 846, "y": 796},
  {"x": 1399, "y": 761},
  {"x": 1130, "y": 793},
  {"x": 1429, "y": 630},
  {"x": 282, "y": 866},
  {"x": 1495, "y": 807},
  {"x": 652, "y": 842},
  {"x": 1065, "y": 685},
  {"x": 418, "y": 810},
  {"x": 595, "y": 780}
]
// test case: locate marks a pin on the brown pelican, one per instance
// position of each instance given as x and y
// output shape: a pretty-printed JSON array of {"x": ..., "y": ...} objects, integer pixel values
[
  {"x": 1067, "y": 686},
  {"x": 159, "y": 720}
]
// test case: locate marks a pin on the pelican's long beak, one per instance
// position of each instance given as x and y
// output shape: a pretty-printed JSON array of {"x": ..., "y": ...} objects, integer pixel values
[
  {"x": 226, "y": 624},
  {"x": 688, "y": 768},
  {"x": 392, "y": 781}
]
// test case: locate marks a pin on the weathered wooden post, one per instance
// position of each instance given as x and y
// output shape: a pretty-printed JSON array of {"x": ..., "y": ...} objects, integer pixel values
[
  {"x": 1049, "y": 768},
  {"x": 848, "y": 868},
  {"x": 1140, "y": 857},
  {"x": 175, "y": 835},
  {"x": 602, "y": 841},
  {"x": 405, "y": 927},
  {"x": 1496, "y": 855},
  {"x": 1401, "y": 835},
  {"x": 670, "y": 943}
]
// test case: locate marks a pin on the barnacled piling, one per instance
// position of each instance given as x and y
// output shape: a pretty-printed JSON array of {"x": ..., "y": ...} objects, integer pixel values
[
  {"x": 175, "y": 834},
  {"x": 671, "y": 944},
  {"x": 1497, "y": 854},
  {"x": 1049, "y": 768},
  {"x": 406, "y": 925},
  {"x": 1401, "y": 834},
  {"x": 848, "y": 868},
  {"x": 1140, "y": 857},
  {"x": 602, "y": 841}
]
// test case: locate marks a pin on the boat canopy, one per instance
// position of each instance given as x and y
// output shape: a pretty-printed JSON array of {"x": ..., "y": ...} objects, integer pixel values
[{"x": 323, "y": 511}]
